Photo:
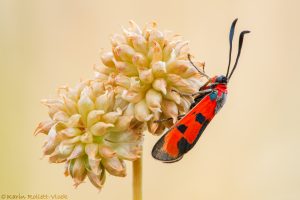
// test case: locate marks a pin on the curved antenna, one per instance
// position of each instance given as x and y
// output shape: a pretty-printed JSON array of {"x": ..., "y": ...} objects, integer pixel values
[
  {"x": 231, "y": 33},
  {"x": 241, "y": 39},
  {"x": 189, "y": 57}
]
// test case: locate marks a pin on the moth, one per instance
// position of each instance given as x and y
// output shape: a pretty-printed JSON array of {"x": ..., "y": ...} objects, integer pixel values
[{"x": 210, "y": 98}]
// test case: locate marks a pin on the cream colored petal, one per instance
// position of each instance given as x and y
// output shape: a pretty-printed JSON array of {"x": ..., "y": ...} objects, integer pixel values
[
  {"x": 180, "y": 46},
  {"x": 128, "y": 33},
  {"x": 56, "y": 103},
  {"x": 65, "y": 149},
  {"x": 72, "y": 140},
  {"x": 148, "y": 28},
  {"x": 95, "y": 166},
  {"x": 135, "y": 84},
  {"x": 170, "y": 109},
  {"x": 159, "y": 69},
  {"x": 181, "y": 84},
  {"x": 128, "y": 152},
  {"x": 57, "y": 158},
  {"x": 173, "y": 96},
  {"x": 97, "y": 180},
  {"x": 52, "y": 140},
  {"x": 112, "y": 117},
  {"x": 184, "y": 105},
  {"x": 160, "y": 84},
  {"x": 169, "y": 49},
  {"x": 74, "y": 93},
  {"x": 141, "y": 111},
  {"x": 100, "y": 128},
  {"x": 178, "y": 66},
  {"x": 70, "y": 132},
  {"x": 74, "y": 121},
  {"x": 107, "y": 59},
  {"x": 152, "y": 125},
  {"x": 44, "y": 127},
  {"x": 117, "y": 39},
  {"x": 97, "y": 87},
  {"x": 78, "y": 171},
  {"x": 85, "y": 105},
  {"x": 135, "y": 28},
  {"x": 52, "y": 111},
  {"x": 157, "y": 36},
  {"x": 87, "y": 137},
  {"x": 120, "y": 103},
  {"x": 126, "y": 68},
  {"x": 153, "y": 100},
  {"x": 101, "y": 77},
  {"x": 60, "y": 116},
  {"x": 105, "y": 102},
  {"x": 92, "y": 151},
  {"x": 132, "y": 97},
  {"x": 106, "y": 151},
  {"x": 155, "y": 52},
  {"x": 77, "y": 151},
  {"x": 190, "y": 72},
  {"x": 71, "y": 106},
  {"x": 129, "y": 111},
  {"x": 114, "y": 166},
  {"x": 140, "y": 61},
  {"x": 122, "y": 123},
  {"x": 125, "y": 52},
  {"x": 195, "y": 81},
  {"x": 103, "y": 69},
  {"x": 146, "y": 76},
  {"x": 139, "y": 44},
  {"x": 93, "y": 117},
  {"x": 123, "y": 81}
]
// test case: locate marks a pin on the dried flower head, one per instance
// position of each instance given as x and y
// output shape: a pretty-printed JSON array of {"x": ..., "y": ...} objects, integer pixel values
[
  {"x": 149, "y": 69},
  {"x": 90, "y": 131}
]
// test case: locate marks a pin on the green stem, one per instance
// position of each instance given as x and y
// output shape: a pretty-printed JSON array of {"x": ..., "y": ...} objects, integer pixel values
[{"x": 137, "y": 178}]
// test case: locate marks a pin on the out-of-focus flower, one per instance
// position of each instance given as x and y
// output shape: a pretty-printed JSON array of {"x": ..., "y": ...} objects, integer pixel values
[
  {"x": 91, "y": 131},
  {"x": 147, "y": 67}
]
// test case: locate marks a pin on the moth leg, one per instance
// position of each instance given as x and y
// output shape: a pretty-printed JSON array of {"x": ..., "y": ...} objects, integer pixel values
[
  {"x": 196, "y": 93},
  {"x": 180, "y": 93},
  {"x": 202, "y": 92},
  {"x": 163, "y": 120}
]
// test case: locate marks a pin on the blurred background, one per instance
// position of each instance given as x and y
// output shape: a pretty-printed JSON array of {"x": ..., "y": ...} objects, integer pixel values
[{"x": 251, "y": 150}]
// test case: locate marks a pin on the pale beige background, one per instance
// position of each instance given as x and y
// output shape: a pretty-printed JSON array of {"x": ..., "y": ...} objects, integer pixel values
[{"x": 250, "y": 151}]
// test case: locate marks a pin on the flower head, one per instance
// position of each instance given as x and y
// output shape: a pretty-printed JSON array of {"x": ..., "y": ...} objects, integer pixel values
[
  {"x": 90, "y": 131},
  {"x": 149, "y": 69}
]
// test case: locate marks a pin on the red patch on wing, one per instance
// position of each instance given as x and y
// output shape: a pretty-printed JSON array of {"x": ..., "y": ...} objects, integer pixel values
[{"x": 207, "y": 108}]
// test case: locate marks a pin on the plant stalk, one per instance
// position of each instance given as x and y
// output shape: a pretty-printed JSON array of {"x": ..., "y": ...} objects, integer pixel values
[{"x": 137, "y": 178}]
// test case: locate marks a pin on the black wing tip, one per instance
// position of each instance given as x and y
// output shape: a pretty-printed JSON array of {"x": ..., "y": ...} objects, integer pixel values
[{"x": 159, "y": 154}]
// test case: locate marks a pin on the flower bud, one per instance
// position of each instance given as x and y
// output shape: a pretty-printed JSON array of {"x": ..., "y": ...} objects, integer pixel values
[
  {"x": 159, "y": 69},
  {"x": 107, "y": 59},
  {"x": 154, "y": 99},
  {"x": 142, "y": 112},
  {"x": 125, "y": 52},
  {"x": 160, "y": 84},
  {"x": 170, "y": 109}
]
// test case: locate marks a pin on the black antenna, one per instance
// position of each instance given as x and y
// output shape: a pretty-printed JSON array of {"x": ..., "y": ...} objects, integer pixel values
[
  {"x": 189, "y": 57},
  {"x": 231, "y": 33},
  {"x": 241, "y": 39}
]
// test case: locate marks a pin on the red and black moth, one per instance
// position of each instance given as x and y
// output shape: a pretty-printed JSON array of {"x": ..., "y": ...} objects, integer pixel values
[{"x": 210, "y": 98}]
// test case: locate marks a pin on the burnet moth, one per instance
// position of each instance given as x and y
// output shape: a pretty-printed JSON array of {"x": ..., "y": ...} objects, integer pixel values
[{"x": 210, "y": 98}]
